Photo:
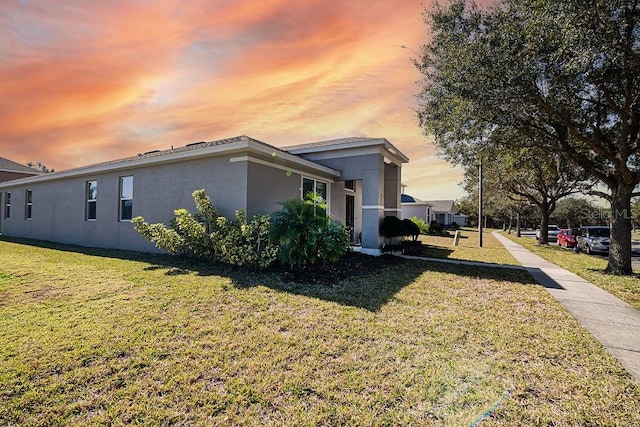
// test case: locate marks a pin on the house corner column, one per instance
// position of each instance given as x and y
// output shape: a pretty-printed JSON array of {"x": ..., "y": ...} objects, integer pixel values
[
  {"x": 392, "y": 190},
  {"x": 372, "y": 209}
]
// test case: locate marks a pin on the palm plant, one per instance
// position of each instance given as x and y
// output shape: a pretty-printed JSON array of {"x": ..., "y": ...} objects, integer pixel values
[{"x": 306, "y": 234}]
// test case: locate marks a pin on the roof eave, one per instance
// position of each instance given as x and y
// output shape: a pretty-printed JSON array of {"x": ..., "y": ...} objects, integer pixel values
[
  {"x": 350, "y": 145},
  {"x": 231, "y": 148}
]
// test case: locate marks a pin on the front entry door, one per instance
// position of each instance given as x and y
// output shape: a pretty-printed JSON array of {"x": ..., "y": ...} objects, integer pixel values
[{"x": 350, "y": 220}]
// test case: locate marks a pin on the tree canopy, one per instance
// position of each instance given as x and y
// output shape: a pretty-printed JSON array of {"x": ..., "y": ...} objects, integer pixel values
[{"x": 563, "y": 77}]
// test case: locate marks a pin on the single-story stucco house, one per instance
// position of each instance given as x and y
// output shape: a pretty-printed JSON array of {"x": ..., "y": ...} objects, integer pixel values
[
  {"x": 443, "y": 211},
  {"x": 461, "y": 219},
  {"x": 93, "y": 205},
  {"x": 439, "y": 211},
  {"x": 412, "y": 207}
]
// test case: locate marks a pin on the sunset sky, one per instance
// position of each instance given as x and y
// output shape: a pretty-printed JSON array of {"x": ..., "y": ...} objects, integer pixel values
[{"x": 83, "y": 82}]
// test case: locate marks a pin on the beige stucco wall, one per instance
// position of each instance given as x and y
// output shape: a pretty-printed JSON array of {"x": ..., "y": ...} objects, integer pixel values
[{"x": 58, "y": 212}]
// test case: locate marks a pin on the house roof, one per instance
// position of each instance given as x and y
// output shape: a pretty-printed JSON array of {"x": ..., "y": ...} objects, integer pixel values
[
  {"x": 193, "y": 150},
  {"x": 7, "y": 165},
  {"x": 345, "y": 143},
  {"x": 186, "y": 148},
  {"x": 329, "y": 143},
  {"x": 405, "y": 198},
  {"x": 442, "y": 205},
  {"x": 228, "y": 145}
]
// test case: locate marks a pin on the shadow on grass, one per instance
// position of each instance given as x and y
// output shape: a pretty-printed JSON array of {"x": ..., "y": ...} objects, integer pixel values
[
  {"x": 356, "y": 280},
  {"x": 429, "y": 251}
]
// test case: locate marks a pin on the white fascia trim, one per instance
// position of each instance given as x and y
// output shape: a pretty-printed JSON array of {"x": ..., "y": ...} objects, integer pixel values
[
  {"x": 276, "y": 166},
  {"x": 373, "y": 207},
  {"x": 395, "y": 152},
  {"x": 395, "y": 157},
  {"x": 392, "y": 209}
]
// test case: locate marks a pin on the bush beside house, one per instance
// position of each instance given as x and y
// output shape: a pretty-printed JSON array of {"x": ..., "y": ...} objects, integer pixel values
[
  {"x": 422, "y": 226},
  {"x": 299, "y": 235},
  {"x": 208, "y": 235},
  {"x": 305, "y": 234},
  {"x": 392, "y": 227}
]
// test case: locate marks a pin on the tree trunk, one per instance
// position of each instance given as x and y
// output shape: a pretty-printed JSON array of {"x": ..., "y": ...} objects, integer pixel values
[
  {"x": 544, "y": 224},
  {"x": 620, "y": 247},
  {"x": 518, "y": 234}
]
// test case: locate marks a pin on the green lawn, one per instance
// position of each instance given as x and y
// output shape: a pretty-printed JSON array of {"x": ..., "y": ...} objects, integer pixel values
[
  {"x": 106, "y": 337},
  {"x": 588, "y": 267},
  {"x": 467, "y": 249}
]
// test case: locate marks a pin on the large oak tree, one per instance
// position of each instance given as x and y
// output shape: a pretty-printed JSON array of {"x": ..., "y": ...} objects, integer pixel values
[{"x": 563, "y": 76}]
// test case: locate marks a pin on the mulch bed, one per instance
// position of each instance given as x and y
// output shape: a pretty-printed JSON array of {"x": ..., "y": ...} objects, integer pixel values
[{"x": 352, "y": 264}]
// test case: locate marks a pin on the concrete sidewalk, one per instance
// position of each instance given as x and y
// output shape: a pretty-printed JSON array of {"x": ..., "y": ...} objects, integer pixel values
[{"x": 613, "y": 322}]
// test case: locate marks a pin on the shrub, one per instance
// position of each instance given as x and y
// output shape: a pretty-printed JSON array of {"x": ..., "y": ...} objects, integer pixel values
[
  {"x": 211, "y": 236},
  {"x": 306, "y": 234},
  {"x": 391, "y": 226},
  {"x": 423, "y": 226},
  {"x": 435, "y": 228},
  {"x": 411, "y": 229},
  {"x": 164, "y": 238},
  {"x": 454, "y": 226},
  {"x": 246, "y": 244}
]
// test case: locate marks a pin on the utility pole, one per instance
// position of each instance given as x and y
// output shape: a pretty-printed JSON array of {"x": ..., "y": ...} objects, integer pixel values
[{"x": 480, "y": 203}]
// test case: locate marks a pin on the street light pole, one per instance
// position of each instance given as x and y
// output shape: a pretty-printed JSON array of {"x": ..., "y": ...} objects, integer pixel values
[{"x": 480, "y": 203}]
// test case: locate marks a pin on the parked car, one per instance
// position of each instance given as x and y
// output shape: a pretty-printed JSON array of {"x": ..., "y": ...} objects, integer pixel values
[
  {"x": 567, "y": 237},
  {"x": 593, "y": 239},
  {"x": 552, "y": 235}
]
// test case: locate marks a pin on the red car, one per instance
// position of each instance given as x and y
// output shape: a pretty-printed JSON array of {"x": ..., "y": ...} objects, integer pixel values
[{"x": 567, "y": 238}]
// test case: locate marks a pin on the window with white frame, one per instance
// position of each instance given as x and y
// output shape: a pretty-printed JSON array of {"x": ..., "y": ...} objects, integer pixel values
[
  {"x": 313, "y": 186},
  {"x": 7, "y": 205},
  {"x": 126, "y": 198},
  {"x": 92, "y": 200},
  {"x": 28, "y": 205}
]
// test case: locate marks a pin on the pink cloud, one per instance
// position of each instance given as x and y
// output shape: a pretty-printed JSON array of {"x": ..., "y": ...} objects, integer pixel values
[{"x": 84, "y": 82}]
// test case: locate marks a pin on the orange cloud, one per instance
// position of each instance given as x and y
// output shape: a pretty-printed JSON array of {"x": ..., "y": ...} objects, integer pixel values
[{"x": 101, "y": 80}]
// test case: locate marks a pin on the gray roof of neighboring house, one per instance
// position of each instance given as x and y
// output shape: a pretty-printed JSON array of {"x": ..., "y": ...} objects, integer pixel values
[
  {"x": 7, "y": 165},
  {"x": 405, "y": 198},
  {"x": 442, "y": 205}
]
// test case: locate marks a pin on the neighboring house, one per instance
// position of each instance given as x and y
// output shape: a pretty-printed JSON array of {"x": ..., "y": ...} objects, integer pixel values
[
  {"x": 93, "y": 205},
  {"x": 442, "y": 211},
  {"x": 9, "y": 171},
  {"x": 461, "y": 219},
  {"x": 415, "y": 207}
]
